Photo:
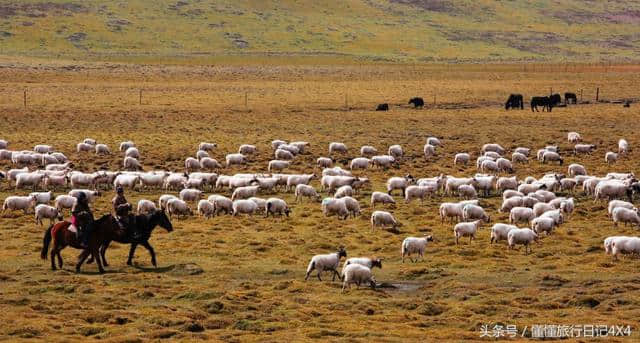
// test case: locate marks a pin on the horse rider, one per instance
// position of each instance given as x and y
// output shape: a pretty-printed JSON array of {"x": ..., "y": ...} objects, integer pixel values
[
  {"x": 125, "y": 220},
  {"x": 83, "y": 230}
]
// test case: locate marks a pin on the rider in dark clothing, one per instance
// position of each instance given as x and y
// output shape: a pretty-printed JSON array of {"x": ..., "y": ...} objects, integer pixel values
[
  {"x": 83, "y": 229},
  {"x": 125, "y": 220}
]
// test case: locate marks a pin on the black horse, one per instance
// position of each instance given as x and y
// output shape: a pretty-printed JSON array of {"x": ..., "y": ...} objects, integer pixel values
[
  {"x": 555, "y": 100},
  {"x": 382, "y": 107},
  {"x": 417, "y": 102},
  {"x": 543, "y": 101},
  {"x": 514, "y": 101},
  {"x": 145, "y": 225},
  {"x": 570, "y": 98}
]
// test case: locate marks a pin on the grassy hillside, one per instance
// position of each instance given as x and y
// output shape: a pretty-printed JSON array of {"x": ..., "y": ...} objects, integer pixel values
[{"x": 399, "y": 30}]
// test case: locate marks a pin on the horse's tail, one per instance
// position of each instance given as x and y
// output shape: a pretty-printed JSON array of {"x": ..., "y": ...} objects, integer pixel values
[{"x": 45, "y": 243}]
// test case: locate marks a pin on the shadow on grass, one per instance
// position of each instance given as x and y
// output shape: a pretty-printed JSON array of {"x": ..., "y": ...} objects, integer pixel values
[{"x": 154, "y": 269}]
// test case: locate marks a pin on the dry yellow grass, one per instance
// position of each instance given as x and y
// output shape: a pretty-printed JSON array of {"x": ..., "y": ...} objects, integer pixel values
[{"x": 252, "y": 287}]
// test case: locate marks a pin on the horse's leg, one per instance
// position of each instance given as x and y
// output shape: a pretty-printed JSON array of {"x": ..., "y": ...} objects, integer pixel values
[
  {"x": 96, "y": 255},
  {"x": 83, "y": 256},
  {"x": 59, "y": 258},
  {"x": 132, "y": 251},
  {"x": 53, "y": 256},
  {"x": 153, "y": 253},
  {"x": 103, "y": 251}
]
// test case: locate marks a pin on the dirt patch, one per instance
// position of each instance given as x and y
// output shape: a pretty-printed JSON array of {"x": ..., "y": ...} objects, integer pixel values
[
  {"x": 429, "y": 5},
  {"x": 77, "y": 37},
  {"x": 41, "y": 9},
  {"x": 186, "y": 269},
  {"x": 116, "y": 25}
]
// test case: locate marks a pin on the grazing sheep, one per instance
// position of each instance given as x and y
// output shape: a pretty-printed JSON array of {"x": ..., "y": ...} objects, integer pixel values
[
  {"x": 208, "y": 163},
  {"x": 369, "y": 262},
  {"x": 529, "y": 201},
  {"x": 500, "y": 232},
  {"x": 368, "y": 150},
  {"x": 84, "y": 147},
  {"x": 521, "y": 214},
  {"x": 611, "y": 157},
  {"x": 383, "y": 219},
  {"x": 200, "y": 154},
  {"x": 517, "y": 157},
  {"x": 620, "y": 176},
  {"x": 178, "y": 207},
  {"x": 290, "y": 148},
  {"x": 245, "y": 192},
  {"x": 131, "y": 163},
  {"x": 493, "y": 147},
  {"x": 64, "y": 201},
  {"x": 335, "y": 206},
  {"x": 419, "y": 192},
  {"x": 278, "y": 165},
  {"x": 488, "y": 166},
  {"x": 302, "y": 179},
  {"x": 358, "y": 274},
  {"x": 541, "y": 207},
  {"x": 45, "y": 211},
  {"x": 625, "y": 215},
  {"x": 461, "y": 158},
  {"x": 43, "y": 149},
  {"x": 608, "y": 243},
  {"x": 148, "y": 180},
  {"x": 625, "y": 245},
  {"x": 383, "y": 161},
  {"x": 567, "y": 184},
  {"x": 473, "y": 212},
  {"x": 434, "y": 141},
  {"x": 53, "y": 181},
  {"x": 206, "y": 208},
  {"x": 326, "y": 262},
  {"x": 126, "y": 145},
  {"x": 42, "y": 197},
  {"x": 552, "y": 156},
  {"x": 583, "y": 148},
  {"x": 574, "y": 137},
  {"x": 380, "y": 197},
  {"x": 191, "y": 164},
  {"x": 335, "y": 171},
  {"x": 523, "y": 151},
  {"x": 132, "y": 152},
  {"x": 29, "y": 179},
  {"x": 509, "y": 203},
  {"x": 207, "y": 146},
  {"x": 343, "y": 191},
  {"x": 241, "y": 181},
  {"x": 47, "y": 160},
  {"x": 543, "y": 224},
  {"x": 261, "y": 203},
  {"x": 467, "y": 192},
  {"x": 466, "y": 229},
  {"x": 511, "y": 193},
  {"x": 324, "y": 162},
  {"x": 353, "y": 206},
  {"x": 619, "y": 203},
  {"x": 359, "y": 163},
  {"x": 24, "y": 203},
  {"x": 102, "y": 149},
  {"x": 483, "y": 183},
  {"x": 557, "y": 216},
  {"x": 610, "y": 189},
  {"x": 303, "y": 190},
  {"x": 277, "y": 143},
  {"x": 453, "y": 210},
  {"x": 235, "y": 159},
  {"x": 504, "y": 165},
  {"x": 530, "y": 188},
  {"x": 395, "y": 151},
  {"x": 506, "y": 183},
  {"x": 429, "y": 150},
  {"x": 146, "y": 207},
  {"x": 452, "y": 183},
  {"x": 400, "y": 183},
  {"x": 623, "y": 146},
  {"x": 126, "y": 181},
  {"x": 337, "y": 147},
  {"x": 247, "y": 149},
  {"x": 492, "y": 155},
  {"x": 189, "y": 194},
  {"x": 331, "y": 183},
  {"x": 277, "y": 206},
  {"x": 523, "y": 237},
  {"x": 175, "y": 181},
  {"x": 415, "y": 245},
  {"x": 545, "y": 195},
  {"x": 221, "y": 203},
  {"x": 301, "y": 146},
  {"x": 281, "y": 154},
  {"x": 91, "y": 195}
]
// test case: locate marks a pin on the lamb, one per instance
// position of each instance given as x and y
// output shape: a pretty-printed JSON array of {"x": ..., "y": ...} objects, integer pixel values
[
  {"x": 278, "y": 165},
  {"x": 517, "y": 157},
  {"x": 277, "y": 143},
  {"x": 295, "y": 180},
  {"x": 126, "y": 145},
  {"x": 247, "y": 149},
  {"x": 504, "y": 165},
  {"x": 42, "y": 197},
  {"x": 500, "y": 232},
  {"x": 235, "y": 159},
  {"x": 523, "y": 237},
  {"x": 625, "y": 215},
  {"x": 277, "y": 206},
  {"x": 343, "y": 191},
  {"x": 610, "y": 157},
  {"x": 132, "y": 152},
  {"x": 543, "y": 224},
  {"x": 131, "y": 163},
  {"x": 64, "y": 201},
  {"x": 380, "y": 197},
  {"x": 623, "y": 147},
  {"x": 574, "y": 137},
  {"x": 191, "y": 164},
  {"x": 383, "y": 161},
  {"x": 551, "y": 156},
  {"x": 358, "y": 274},
  {"x": 367, "y": 150},
  {"x": 359, "y": 163},
  {"x": 281, "y": 154},
  {"x": 467, "y": 192},
  {"x": 520, "y": 214},
  {"x": 45, "y": 211},
  {"x": 506, "y": 183},
  {"x": 523, "y": 151},
  {"x": 29, "y": 179},
  {"x": 461, "y": 158},
  {"x": 91, "y": 195},
  {"x": 395, "y": 151},
  {"x": 145, "y": 207},
  {"x": 208, "y": 163},
  {"x": 43, "y": 149},
  {"x": 353, "y": 206},
  {"x": 493, "y": 147},
  {"x": 24, "y": 203},
  {"x": 419, "y": 192},
  {"x": 126, "y": 181},
  {"x": 221, "y": 203},
  {"x": 102, "y": 149},
  {"x": 303, "y": 190},
  {"x": 583, "y": 148},
  {"x": 429, "y": 150},
  {"x": 369, "y": 262},
  {"x": 466, "y": 229},
  {"x": 335, "y": 206},
  {"x": 337, "y": 147},
  {"x": 471, "y": 212},
  {"x": 415, "y": 245},
  {"x": 383, "y": 219},
  {"x": 324, "y": 162},
  {"x": 206, "y": 208},
  {"x": 178, "y": 207},
  {"x": 400, "y": 183},
  {"x": 509, "y": 203},
  {"x": 327, "y": 262}
]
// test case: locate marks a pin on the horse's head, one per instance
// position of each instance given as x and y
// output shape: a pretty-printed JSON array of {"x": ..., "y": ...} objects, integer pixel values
[
  {"x": 84, "y": 217},
  {"x": 163, "y": 220}
]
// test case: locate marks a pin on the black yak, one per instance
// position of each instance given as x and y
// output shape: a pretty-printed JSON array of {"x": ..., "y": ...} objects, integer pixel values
[
  {"x": 543, "y": 101},
  {"x": 417, "y": 102},
  {"x": 555, "y": 100},
  {"x": 514, "y": 101},
  {"x": 570, "y": 98},
  {"x": 382, "y": 107}
]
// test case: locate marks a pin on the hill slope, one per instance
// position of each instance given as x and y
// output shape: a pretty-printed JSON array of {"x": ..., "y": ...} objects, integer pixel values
[{"x": 405, "y": 30}]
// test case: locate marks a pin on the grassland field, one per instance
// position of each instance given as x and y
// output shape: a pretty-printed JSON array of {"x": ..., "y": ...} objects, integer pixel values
[{"x": 252, "y": 286}]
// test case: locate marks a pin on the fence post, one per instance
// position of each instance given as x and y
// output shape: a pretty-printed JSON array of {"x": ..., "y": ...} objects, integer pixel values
[
  {"x": 140, "y": 98},
  {"x": 246, "y": 100},
  {"x": 597, "y": 94},
  {"x": 346, "y": 103},
  {"x": 580, "y": 94},
  {"x": 24, "y": 98}
]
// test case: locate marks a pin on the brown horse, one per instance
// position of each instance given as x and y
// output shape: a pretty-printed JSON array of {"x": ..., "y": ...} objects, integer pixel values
[{"x": 62, "y": 238}]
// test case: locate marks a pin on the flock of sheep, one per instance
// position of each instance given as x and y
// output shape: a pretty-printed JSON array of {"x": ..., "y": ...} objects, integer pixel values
[{"x": 532, "y": 201}]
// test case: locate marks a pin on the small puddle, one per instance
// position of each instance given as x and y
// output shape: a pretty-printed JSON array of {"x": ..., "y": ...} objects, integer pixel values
[{"x": 400, "y": 286}]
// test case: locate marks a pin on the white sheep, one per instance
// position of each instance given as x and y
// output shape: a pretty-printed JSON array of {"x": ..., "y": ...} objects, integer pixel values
[
  {"x": 574, "y": 137},
  {"x": 178, "y": 207},
  {"x": 54, "y": 181},
  {"x": 126, "y": 181},
  {"x": 452, "y": 183},
  {"x": 492, "y": 155},
  {"x": 619, "y": 203},
  {"x": 517, "y": 157},
  {"x": 301, "y": 179},
  {"x": 247, "y": 149},
  {"x": 290, "y": 148},
  {"x": 419, "y": 192},
  {"x": 543, "y": 224},
  {"x": 584, "y": 148},
  {"x": 383, "y": 161},
  {"x": 200, "y": 154},
  {"x": 84, "y": 147},
  {"x": 221, "y": 203},
  {"x": 324, "y": 162},
  {"x": 369, "y": 262},
  {"x": 300, "y": 145},
  {"x": 608, "y": 243},
  {"x": 625, "y": 215},
  {"x": 493, "y": 147},
  {"x": 278, "y": 165},
  {"x": 383, "y": 219},
  {"x": 261, "y": 203},
  {"x": 521, "y": 214},
  {"x": 132, "y": 152},
  {"x": 506, "y": 183},
  {"x": 3, "y": 144},
  {"x": 380, "y": 197},
  {"x": 429, "y": 151},
  {"x": 461, "y": 158},
  {"x": 145, "y": 207},
  {"x": 343, "y": 191},
  {"x": 453, "y": 210},
  {"x": 358, "y": 274},
  {"x": 335, "y": 206},
  {"x": 277, "y": 143},
  {"x": 466, "y": 229},
  {"x": 102, "y": 149},
  {"x": 303, "y": 190},
  {"x": 415, "y": 245},
  {"x": 281, "y": 154},
  {"x": 126, "y": 145},
  {"x": 208, "y": 163},
  {"x": 367, "y": 150},
  {"x": 337, "y": 147},
  {"x": 488, "y": 166},
  {"x": 568, "y": 184},
  {"x": 326, "y": 262},
  {"x": 353, "y": 206},
  {"x": 277, "y": 206},
  {"x": 189, "y": 194},
  {"x": 625, "y": 245},
  {"x": 472, "y": 211},
  {"x": 623, "y": 146},
  {"x": 148, "y": 180},
  {"x": 191, "y": 164},
  {"x": 43, "y": 149},
  {"x": 336, "y": 171},
  {"x": 400, "y": 183},
  {"x": 244, "y": 192},
  {"x": 24, "y": 203},
  {"x": 42, "y": 197},
  {"x": 434, "y": 141},
  {"x": 556, "y": 215},
  {"x": 523, "y": 237},
  {"x": 60, "y": 157},
  {"x": 91, "y": 195},
  {"x": 131, "y": 163},
  {"x": 541, "y": 207},
  {"x": 395, "y": 151},
  {"x": 504, "y": 165},
  {"x": 64, "y": 201},
  {"x": 509, "y": 203},
  {"x": 483, "y": 183},
  {"x": 359, "y": 163},
  {"x": 610, "y": 157},
  {"x": 510, "y": 193},
  {"x": 610, "y": 189},
  {"x": 235, "y": 159},
  {"x": 552, "y": 156},
  {"x": 523, "y": 151},
  {"x": 45, "y": 211},
  {"x": 206, "y": 208},
  {"x": 500, "y": 232},
  {"x": 33, "y": 180}
]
